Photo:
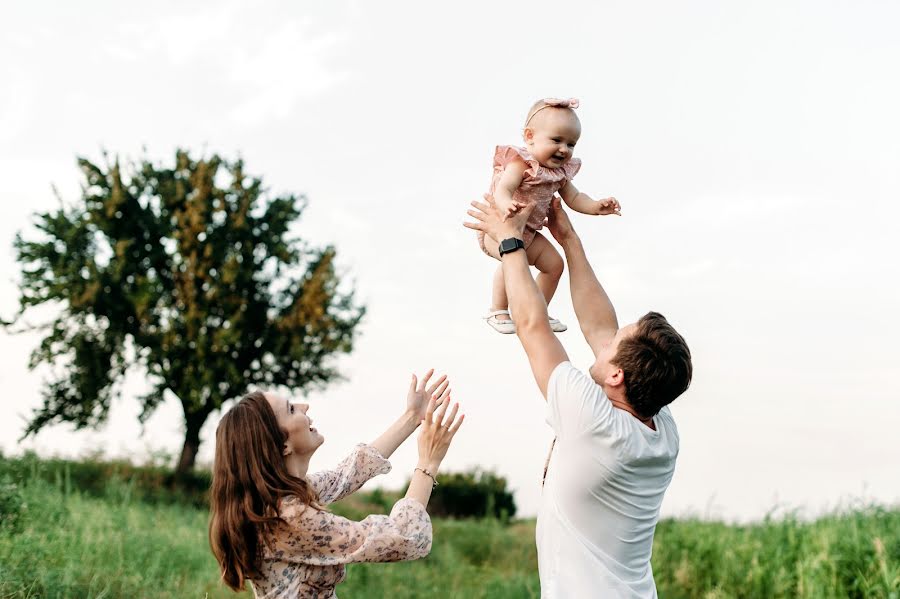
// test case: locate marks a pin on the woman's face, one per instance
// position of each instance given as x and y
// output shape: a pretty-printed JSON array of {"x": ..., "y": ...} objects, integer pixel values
[{"x": 302, "y": 438}]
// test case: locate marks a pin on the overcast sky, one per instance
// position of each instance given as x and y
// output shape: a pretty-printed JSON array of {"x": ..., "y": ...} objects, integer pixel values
[{"x": 754, "y": 148}]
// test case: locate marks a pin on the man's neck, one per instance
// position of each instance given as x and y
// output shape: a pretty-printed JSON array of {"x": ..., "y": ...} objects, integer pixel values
[{"x": 618, "y": 400}]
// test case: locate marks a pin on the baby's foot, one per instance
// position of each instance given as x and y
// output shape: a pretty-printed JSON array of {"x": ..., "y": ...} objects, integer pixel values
[
  {"x": 500, "y": 321},
  {"x": 556, "y": 326}
]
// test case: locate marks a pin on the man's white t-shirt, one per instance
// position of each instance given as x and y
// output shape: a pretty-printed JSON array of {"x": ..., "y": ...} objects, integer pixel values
[{"x": 605, "y": 483}]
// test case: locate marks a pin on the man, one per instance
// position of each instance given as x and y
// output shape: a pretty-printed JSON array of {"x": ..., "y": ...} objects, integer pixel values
[{"x": 616, "y": 442}]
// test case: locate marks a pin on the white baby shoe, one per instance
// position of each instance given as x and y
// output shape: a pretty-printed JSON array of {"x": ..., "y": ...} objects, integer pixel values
[
  {"x": 506, "y": 327},
  {"x": 556, "y": 326}
]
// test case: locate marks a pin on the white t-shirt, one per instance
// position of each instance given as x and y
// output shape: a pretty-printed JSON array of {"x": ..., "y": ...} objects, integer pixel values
[{"x": 604, "y": 487}]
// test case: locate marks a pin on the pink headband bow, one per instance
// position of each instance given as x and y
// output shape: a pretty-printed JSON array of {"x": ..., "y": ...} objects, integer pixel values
[
  {"x": 557, "y": 103},
  {"x": 554, "y": 103}
]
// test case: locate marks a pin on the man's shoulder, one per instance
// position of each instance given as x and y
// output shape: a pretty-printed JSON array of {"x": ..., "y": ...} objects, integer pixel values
[
  {"x": 576, "y": 404},
  {"x": 566, "y": 374},
  {"x": 666, "y": 421},
  {"x": 665, "y": 415},
  {"x": 567, "y": 381}
]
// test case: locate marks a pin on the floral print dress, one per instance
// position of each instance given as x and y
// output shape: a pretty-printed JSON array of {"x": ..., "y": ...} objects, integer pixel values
[{"x": 307, "y": 553}]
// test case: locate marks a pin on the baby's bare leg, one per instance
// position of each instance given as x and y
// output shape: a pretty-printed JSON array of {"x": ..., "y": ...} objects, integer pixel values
[
  {"x": 499, "y": 300},
  {"x": 547, "y": 260}
]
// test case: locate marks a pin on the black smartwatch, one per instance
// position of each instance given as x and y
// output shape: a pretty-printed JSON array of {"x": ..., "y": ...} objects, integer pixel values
[{"x": 510, "y": 245}]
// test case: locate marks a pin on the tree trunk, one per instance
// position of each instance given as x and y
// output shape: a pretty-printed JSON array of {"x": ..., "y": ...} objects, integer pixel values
[{"x": 193, "y": 424}]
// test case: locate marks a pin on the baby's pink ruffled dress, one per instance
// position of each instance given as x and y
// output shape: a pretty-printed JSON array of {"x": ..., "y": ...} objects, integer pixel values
[{"x": 539, "y": 183}]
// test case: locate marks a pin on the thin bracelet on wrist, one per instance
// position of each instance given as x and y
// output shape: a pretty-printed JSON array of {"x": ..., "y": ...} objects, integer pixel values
[{"x": 434, "y": 481}]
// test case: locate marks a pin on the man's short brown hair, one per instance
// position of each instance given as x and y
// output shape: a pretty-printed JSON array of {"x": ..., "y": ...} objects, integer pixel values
[{"x": 656, "y": 362}]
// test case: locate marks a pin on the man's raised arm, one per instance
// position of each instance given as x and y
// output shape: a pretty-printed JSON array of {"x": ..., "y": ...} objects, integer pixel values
[
  {"x": 593, "y": 308},
  {"x": 526, "y": 302}
]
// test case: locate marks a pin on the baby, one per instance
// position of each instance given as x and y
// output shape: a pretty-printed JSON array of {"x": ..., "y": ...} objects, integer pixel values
[{"x": 531, "y": 175}]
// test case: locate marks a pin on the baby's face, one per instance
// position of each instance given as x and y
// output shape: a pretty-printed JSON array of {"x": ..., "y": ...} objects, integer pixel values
[{"x": 551, "y": 136}]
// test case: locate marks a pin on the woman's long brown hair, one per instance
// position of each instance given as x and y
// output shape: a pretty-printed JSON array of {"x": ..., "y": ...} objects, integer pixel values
[{"x": 249, "y": 479}]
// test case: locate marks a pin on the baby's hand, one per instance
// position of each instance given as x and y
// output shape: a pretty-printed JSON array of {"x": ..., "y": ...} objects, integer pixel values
[
  {"x": 607, "y": 206},
  {"x": 511, "y": 209}
]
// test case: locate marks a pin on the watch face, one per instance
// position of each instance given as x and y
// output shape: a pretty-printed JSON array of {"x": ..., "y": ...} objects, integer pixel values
[{"x": 511, "y": 244}]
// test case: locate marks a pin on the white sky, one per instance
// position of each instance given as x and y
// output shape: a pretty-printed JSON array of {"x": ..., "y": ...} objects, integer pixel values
[{"x": 754, "y": 147}]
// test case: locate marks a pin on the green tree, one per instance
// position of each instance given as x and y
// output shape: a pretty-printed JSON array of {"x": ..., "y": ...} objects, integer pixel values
[{"x": 191, "y": 274}]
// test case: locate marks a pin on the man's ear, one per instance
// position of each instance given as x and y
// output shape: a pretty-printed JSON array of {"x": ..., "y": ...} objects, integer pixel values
[{"x": 616, "y": 378}]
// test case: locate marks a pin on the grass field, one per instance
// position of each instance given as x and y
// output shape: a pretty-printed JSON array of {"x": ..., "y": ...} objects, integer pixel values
[{"x": 56, "y": 541}]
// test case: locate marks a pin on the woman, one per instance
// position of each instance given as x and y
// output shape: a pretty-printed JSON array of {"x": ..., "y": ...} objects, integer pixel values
[{"x": 269, "y": 524}]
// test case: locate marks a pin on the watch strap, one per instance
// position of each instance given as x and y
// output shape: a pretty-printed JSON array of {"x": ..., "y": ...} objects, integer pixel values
[{"x": 511, "y": 244}]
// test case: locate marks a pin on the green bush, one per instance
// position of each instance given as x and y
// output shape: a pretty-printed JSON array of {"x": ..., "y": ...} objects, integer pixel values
[
  {"x": 12, "y": 506},
  {"x": 473, "y": 494},
  {"x": 99, "y": 478}
]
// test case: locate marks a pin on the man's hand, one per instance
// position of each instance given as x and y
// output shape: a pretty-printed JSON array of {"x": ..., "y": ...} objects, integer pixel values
[
  {"x": 491, "y": 221},
  {"x": 596, "y": 315},
  {"x": 607, "y": 206},
  {"x": 526, "y": 301},
  {"x": 558, "y": 222}
]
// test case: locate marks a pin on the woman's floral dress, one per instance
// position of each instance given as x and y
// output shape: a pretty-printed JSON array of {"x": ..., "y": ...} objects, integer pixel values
[{"x": 306, "y": 555}]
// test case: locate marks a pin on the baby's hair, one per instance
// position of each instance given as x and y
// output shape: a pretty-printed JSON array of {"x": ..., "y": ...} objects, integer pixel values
[
  {"x": 548, "y": 103},
  {"x": 533, "y": 110}
]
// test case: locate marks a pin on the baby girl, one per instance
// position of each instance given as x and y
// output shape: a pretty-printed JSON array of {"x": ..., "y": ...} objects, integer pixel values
[{"x": 531, "y": 175}]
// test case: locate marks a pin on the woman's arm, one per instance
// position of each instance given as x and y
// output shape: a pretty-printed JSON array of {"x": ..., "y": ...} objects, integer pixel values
[
  {"x": 416, "y": 402},
  {"x": 398, "y": 432},
  {"x": 363, "y": 464},
  {"x": 582, "y": 202},
  {"x": 322, "y": 538},
  {"x": 367, "y": 461},
  {"x": 434, "y": 440}
]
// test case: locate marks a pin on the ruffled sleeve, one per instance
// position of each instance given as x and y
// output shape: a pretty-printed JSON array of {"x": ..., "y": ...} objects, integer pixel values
[
  {"x": 361, "y": 465},
  {"x": 503, "y": 155},
  {"x": 571, "y": 168},
  {"x": 320, "y": 538}
]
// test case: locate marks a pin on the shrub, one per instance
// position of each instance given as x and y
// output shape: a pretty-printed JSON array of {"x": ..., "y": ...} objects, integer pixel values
[
  {"x": 473, "y": 494},
  {"x": 94, "y": 477},
  {"x": 12, "y": 506}
]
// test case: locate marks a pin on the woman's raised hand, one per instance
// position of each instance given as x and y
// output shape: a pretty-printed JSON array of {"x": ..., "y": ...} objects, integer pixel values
[
  {"x": 437, "y": 431},
  {"x": 418, "y": 396}
]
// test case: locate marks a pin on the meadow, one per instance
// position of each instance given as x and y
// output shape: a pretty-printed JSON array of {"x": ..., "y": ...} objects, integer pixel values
[{"x": 60, "y": 540}]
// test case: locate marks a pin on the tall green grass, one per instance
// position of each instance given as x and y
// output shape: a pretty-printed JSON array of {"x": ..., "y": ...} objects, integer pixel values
[
  {"x": 58, "y": 541},
  {"x": 849, "y": 554}
]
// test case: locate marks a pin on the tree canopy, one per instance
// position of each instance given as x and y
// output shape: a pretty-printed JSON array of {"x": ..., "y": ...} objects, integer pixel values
[{"x": 192, "y": 274}]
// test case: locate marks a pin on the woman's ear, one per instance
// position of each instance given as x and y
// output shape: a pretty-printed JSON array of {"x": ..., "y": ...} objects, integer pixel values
[{"x": 287, "y": 450}]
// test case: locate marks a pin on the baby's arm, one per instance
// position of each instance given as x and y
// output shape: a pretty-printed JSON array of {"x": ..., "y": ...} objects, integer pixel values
[
  {"x": 582, "y": 202},
  {"x": 507, "y": 185}
]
